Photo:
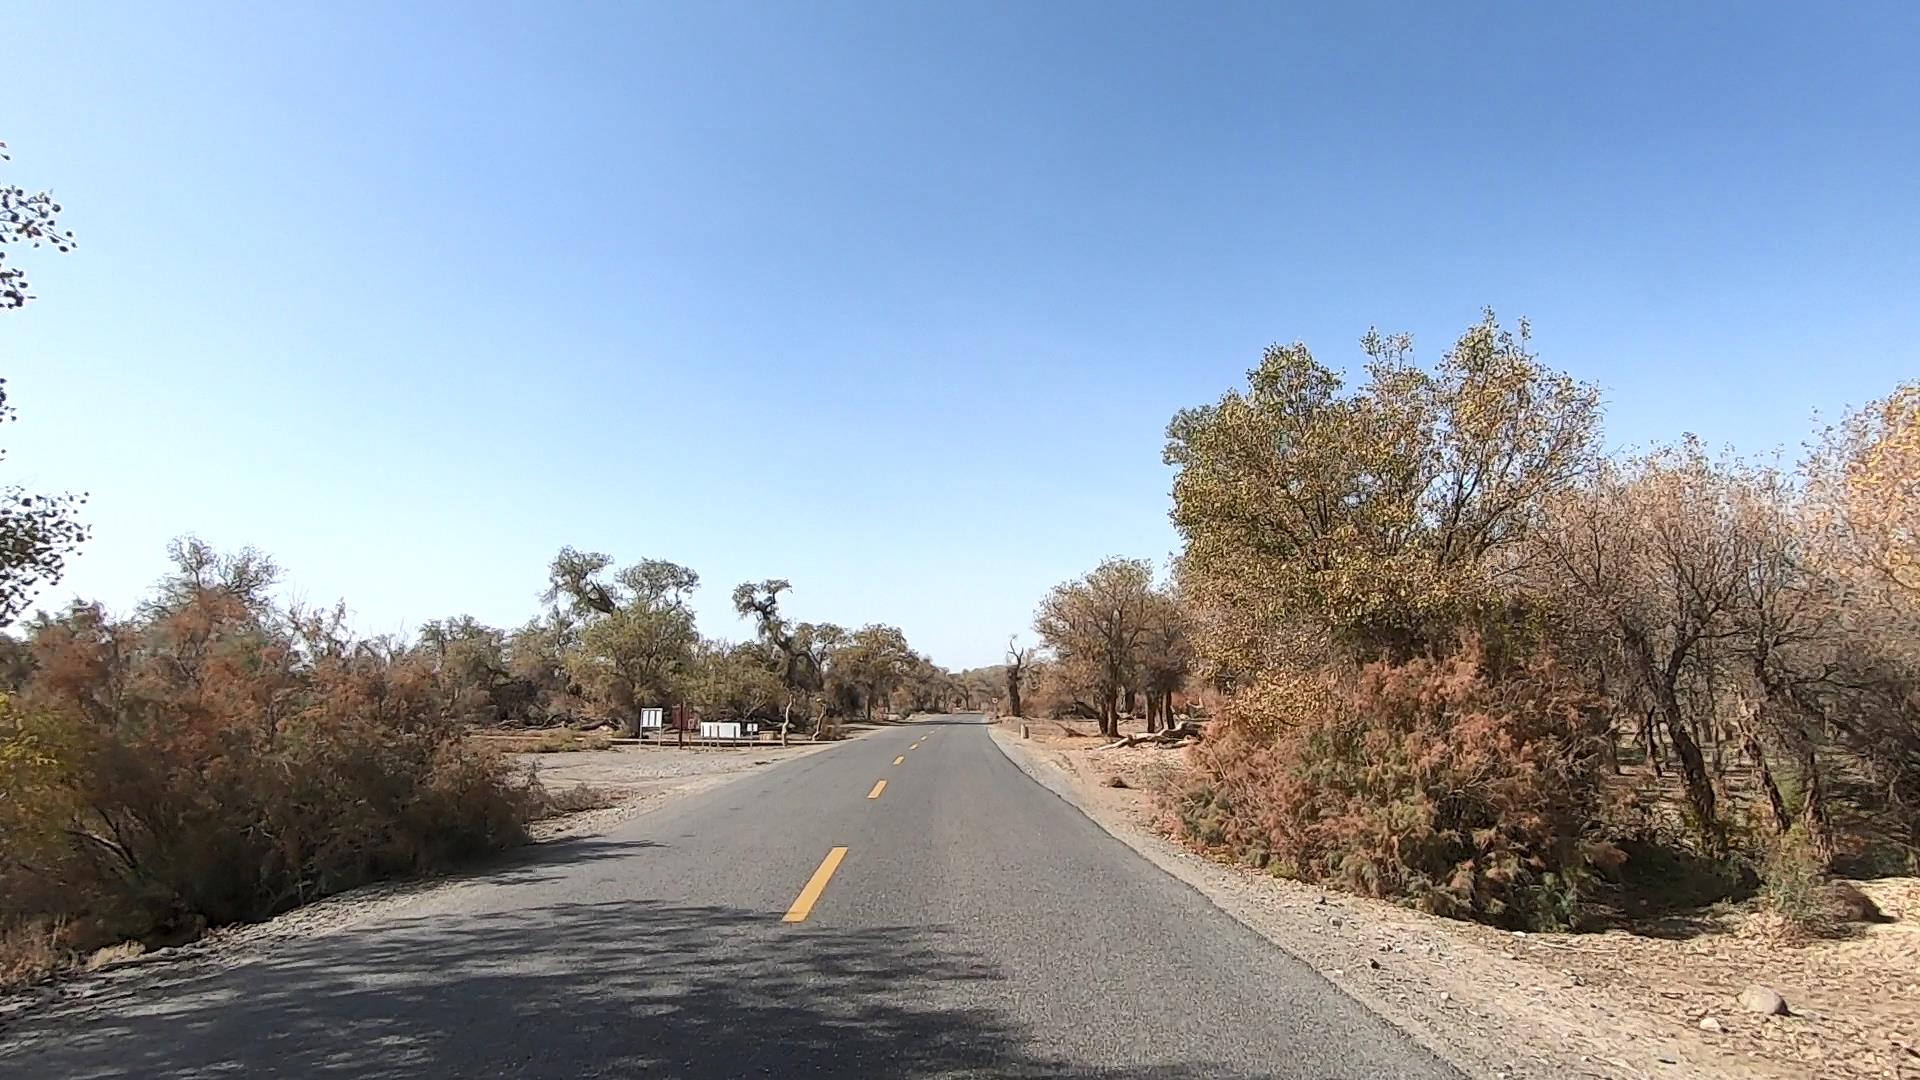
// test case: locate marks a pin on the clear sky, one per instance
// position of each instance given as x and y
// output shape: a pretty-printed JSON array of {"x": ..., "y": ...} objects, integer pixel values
[{"x": 893, "y": 300}]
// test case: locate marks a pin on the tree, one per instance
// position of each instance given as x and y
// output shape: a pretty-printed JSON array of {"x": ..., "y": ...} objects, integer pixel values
[
  {"x": 1166, "y": 655},
  {"x": 37, "y": 532},
  {"x": 1019, "y": 669},
  {"x": 875, "y": 658},
  {"x": 638, "y": 635},
  {"x": 1095, "y": 624},
  {"x": 736, "y": 682},
  {"x": 1862, "y": 481},
  {"x": 1654, "y": 549},
  {"x": 469, "y": 660},
  {"x": 30, "y": 219},
  {"x": 799, "y": 666},
  {"x": 1380, "y": 520}
]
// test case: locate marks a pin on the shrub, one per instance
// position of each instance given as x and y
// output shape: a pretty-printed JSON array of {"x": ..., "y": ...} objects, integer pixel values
[
  {"x": 1432, "y": 782},
  {"x": 217, "y": 760},
  {"x": 573, "y": 800},
  {"x": 1792, "y": 880}
]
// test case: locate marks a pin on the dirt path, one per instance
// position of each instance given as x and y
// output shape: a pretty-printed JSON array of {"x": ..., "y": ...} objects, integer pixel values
[{"x": 1510, "y": 1005}]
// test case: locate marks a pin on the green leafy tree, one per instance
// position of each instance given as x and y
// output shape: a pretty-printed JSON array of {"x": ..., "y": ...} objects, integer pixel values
[
  {"x": 637, "y": 636},
  {"x": 796, "y": 653},
  {"x": 1377, "y": 521}
]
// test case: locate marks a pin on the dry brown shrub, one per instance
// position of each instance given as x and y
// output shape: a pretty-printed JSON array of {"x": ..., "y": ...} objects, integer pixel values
[
  {"x": 1430, "y": 782},
  {"x": 216, "y": 760}
]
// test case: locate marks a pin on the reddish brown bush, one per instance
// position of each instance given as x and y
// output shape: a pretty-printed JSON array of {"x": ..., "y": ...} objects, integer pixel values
[
  {"x": 216, "y": 759},
  {"x": 1430, "y": 782}
]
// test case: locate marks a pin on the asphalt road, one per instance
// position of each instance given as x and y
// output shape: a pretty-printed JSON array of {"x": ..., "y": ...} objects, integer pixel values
[{"x": 976, "y": 925}]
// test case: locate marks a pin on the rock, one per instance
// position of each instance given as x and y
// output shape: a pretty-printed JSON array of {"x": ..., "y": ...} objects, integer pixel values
[
  {"x": 1372, "y": 963},
  {"x": 1117, "y": 782},
  {"x": 1708, "y": 1023},
  {"x": 1764, "y": 1000},
  {"x": 1848, "y": 904}
]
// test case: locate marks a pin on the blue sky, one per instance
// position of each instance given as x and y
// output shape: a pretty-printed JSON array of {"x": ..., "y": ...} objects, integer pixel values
[{"x": 893, "y": 300}]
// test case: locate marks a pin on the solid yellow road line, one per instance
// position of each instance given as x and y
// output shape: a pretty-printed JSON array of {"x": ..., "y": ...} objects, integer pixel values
[
  {"x": 809, "y": 896},
  {"x": 900, "y": 759},
  {"x": 877, "y": 789}
]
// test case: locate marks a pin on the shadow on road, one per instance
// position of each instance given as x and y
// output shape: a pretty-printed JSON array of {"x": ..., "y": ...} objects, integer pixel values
[{"x": 613, "y": 989}]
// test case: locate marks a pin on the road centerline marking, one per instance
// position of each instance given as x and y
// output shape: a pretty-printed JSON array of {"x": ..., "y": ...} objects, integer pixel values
[
  {"x": 900, "y": 759},
  {"x": 878, "y": 787},
  {"x": 817, "y": 884}
]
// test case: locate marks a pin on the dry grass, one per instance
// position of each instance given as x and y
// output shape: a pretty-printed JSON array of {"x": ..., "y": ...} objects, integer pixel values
[
  {"x": 574, "y": 800},
  {"x": 31, "y": 952}
]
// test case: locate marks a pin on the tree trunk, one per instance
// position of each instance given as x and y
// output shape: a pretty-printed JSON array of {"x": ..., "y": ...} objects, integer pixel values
[
  {"x": 1013, "y": 694},
  {"x": 1693, "y": 771},
  {"x": 1133, "y": 702},
  {"x": 1750, "y": 745},
  {"x": 1813, "y": 805},
  {"x": 1652, "y": 742}
]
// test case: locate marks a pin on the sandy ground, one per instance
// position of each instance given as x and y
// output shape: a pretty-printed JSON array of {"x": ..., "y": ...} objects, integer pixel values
[
  {"x": 638, "y": 777},
  {"x": 1500, "y": 1004}
]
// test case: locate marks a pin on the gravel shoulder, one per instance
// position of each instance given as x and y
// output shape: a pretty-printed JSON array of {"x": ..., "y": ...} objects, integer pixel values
[{"x": 1502, "y": 1005}]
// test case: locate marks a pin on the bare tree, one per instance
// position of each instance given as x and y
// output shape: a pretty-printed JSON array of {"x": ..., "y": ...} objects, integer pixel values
[{"x": 1019, "y": 670}]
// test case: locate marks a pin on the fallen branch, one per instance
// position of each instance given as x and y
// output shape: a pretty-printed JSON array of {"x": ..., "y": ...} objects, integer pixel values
[{"x": 1178, "y": 735}]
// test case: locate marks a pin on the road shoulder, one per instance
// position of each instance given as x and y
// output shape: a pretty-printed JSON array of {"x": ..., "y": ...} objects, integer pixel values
[{"x": 1477, "y": 1005}]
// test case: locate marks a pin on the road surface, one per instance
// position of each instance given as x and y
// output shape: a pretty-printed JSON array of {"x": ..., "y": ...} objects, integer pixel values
[{"x": 974, "y": 925}]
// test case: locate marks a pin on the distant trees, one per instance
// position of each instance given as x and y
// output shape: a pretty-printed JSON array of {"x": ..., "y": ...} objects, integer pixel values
[
  {"x": 794, "y": 652},
  {"x": 637, "y": 638},
  {"x": 1112, "y": 635}
]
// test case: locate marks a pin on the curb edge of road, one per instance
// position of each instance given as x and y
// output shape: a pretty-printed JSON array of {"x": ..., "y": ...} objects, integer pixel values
[{"x": 1173, "y": 862}]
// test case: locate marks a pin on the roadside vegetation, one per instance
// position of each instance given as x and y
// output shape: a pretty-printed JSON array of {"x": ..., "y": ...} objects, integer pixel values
[
  {"x": 1460, "y": 657},
  {"x": 216, "y": 756}
]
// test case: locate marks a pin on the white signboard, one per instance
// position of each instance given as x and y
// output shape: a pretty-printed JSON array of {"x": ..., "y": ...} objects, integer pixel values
[
  {"x": 719, "y": 729},
  {"x": 652, "y": 718}
]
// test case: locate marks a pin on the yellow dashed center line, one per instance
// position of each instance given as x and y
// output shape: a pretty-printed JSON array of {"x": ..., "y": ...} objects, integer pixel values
[
  {"x": 877, "y": 789},
  {"x": 809, "y": 896},
  {"x": 900, "y": 759}
]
